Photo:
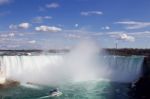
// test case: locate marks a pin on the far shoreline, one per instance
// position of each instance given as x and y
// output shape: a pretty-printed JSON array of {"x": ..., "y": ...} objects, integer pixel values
[{"x": 110, "y": 51}]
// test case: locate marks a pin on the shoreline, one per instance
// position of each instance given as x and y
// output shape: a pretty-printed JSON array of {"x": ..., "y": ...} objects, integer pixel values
[{"x": 111, "y": 51}]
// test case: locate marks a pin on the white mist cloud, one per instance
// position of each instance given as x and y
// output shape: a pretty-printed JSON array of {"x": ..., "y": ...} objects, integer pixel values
[
  {"x": 88, "y": 13},
  {"x": 52, "y": 5},
  {"x": 80, "y": 61},
  {"x": 44, "y": 28},
  {"x": 134, "y": 24}
]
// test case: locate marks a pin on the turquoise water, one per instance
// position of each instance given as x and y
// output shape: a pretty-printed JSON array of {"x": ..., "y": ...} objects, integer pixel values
[
  {"x": 78, "y": 90},
  {"x": 113, "y": 68}
]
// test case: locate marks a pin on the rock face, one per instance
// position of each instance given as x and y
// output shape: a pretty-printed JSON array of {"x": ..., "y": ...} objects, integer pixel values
[
  {"x": 141, "y": 89},
  {"x": 5, "y": 83},
  {"x": 146, "y": 66},
  {"x": 8, "y": 84}
]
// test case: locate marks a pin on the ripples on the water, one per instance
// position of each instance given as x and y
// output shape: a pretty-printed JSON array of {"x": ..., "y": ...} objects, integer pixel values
[{"x": 84, "y": 90}]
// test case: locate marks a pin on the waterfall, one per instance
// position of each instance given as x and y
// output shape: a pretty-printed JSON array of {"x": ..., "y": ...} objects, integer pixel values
[
  {"x": 53, "y": 68},
  {"x": 123, "y": 68},
  {"x": 30, "y": 68}
]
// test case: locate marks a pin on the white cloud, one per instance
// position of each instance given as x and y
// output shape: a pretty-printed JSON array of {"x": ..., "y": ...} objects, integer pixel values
[
  {"x": 88, "y": 13},
  {"x": 121, "y": 35},
  {"x": 106, "y": 28},
  {"x": 76, "y": 25},
  {"x": 12, "y": 26},
  {"x": 77, "y": 31},
  {"x": 7, "y": 35},
  {"x": 142, "y": 33},
  {"x": 44, "y": 28},
  {"x": 11, "y": 34},
  {"x": 126, "y": 37},
  {"x": 52, "y": 5},
  {"x": 3, "y": 35},
  {"x": 32, "y": 41},
  {"x": 136, "y": 34},
  {"x": 73, "y": 36},
  {"x": 134, "y": 24},
  {"x": 40, "y": 19},
  {"x": 24, "y": 25},
  {"x": 4, "y": 2},
  {"x": 81, "y": 34}
]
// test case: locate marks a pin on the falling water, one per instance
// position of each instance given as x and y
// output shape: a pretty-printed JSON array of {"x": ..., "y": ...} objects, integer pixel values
[
  {"x": 122, "y": 68},
  {"x": 83, "y": 63},
  {"x": 51, "y": 68}
]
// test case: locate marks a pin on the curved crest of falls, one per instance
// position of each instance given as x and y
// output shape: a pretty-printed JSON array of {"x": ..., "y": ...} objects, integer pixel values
[{"x": 53, "y": 68}]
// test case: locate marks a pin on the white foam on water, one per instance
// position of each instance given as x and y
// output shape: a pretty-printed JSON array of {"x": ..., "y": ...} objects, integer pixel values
[{"x": 31, "y": 86}]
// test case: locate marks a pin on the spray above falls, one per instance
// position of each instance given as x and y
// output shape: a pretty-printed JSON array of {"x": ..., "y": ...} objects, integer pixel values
[{"x": 84, "y": 62}]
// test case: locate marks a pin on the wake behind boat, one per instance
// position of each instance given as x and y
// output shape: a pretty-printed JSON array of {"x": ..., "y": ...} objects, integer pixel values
[{"x": 52, "y": 93}]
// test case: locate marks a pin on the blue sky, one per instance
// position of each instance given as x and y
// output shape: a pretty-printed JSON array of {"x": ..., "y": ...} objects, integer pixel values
[{"x": 46, "y": 24}]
